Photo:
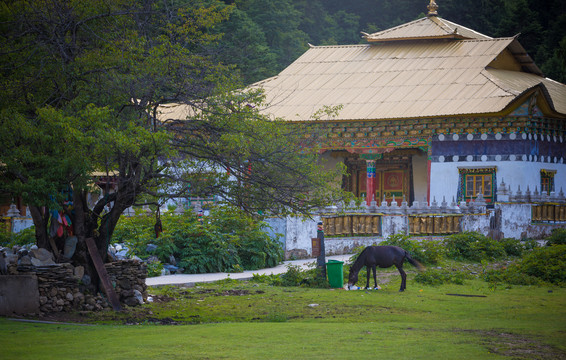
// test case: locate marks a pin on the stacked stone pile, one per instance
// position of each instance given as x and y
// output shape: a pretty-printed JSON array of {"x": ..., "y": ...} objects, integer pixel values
[
  {"x": 128, "y": 278},
  {"x": 62, "y": 287}
]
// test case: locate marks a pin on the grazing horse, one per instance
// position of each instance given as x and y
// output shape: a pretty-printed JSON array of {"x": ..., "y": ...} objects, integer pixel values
[{"x": 384, "y": 257}]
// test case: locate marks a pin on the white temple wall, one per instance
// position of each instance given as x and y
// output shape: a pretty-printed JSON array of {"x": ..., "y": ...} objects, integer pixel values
[
  {"x": 444, "y": 176},
  {"x": 420, "y": 176}
]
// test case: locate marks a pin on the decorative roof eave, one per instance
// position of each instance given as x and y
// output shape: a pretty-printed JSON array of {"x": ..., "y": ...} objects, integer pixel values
[
  {"x": 527, "y": 63},
  {"x": 544, "y": 102},
  {"x": 453, "y": 36}
]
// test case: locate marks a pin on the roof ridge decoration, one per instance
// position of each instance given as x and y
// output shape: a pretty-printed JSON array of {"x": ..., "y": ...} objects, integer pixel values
[{"x": 432, "y": 9}]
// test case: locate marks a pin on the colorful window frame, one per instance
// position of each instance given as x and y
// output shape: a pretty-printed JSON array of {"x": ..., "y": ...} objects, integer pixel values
[
  {"x": 547, "y": 181},
  {"x": 477, "y": 180}
]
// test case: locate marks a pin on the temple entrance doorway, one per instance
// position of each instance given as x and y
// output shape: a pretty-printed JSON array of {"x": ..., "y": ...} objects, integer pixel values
[{"x": 393, "y": 176}]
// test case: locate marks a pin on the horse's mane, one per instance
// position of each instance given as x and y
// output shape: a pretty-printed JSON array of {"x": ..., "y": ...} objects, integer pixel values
[{"x": 360, "y": 260}]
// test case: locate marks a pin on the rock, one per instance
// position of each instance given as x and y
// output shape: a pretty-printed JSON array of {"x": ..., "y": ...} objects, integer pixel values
[
  {"x": 11, "y": 258},
  {"x": 25, "y": 261},
  {"x": 172, "y": 260},
  {"x": 124, "y": 284},
  {"x": 150, "y": 248},
  {"x": 70, "y": 246},
  {"x": 79, "y": 272},
  {"x": 152, "y": 258},
  {"x": 164, "y": 271},
  {"x": 131, "y": 301},
  {"x": 138, "y": 296},
  {"x": 69, "y": 297},
  {"x": 86, "y": 280},
  {"x": 172, "y": 268},
  {"x": 42, "y": 254}
]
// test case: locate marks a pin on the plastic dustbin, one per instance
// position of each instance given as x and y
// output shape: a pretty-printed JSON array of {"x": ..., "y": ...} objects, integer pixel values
[{"x": 335, "y": 272}]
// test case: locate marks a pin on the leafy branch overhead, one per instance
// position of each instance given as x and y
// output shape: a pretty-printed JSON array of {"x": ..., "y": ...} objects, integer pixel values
[{"x": 84, "y": 87}]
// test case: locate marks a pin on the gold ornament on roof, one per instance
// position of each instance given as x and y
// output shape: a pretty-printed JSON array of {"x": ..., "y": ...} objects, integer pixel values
[{"x": 432, "y": 8}]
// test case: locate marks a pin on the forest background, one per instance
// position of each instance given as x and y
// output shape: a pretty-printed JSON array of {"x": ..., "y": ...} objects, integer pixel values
[{"x": 262, "y": 37}]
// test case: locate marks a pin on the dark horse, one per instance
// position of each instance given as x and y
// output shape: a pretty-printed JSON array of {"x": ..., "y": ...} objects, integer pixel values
[{"x": 384, "y": 257}]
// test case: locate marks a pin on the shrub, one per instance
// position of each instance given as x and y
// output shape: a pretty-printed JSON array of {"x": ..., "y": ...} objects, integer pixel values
[
  {"x": 435, "y": 277},
  {"x": 547, "y": 264},
  {"x": 473, "y": 246},
  {"x": 511, "y": 275},
  {"x": 24, "y": 237},
  {"x": 542, "y": 265},
  {"x": 557, "y": 237},
  {"x": 227, "y": 241},
  {"x": 513, "y": 247},
  {"x": 425, "y": 251},
  {"x": 154, "y": 268}
]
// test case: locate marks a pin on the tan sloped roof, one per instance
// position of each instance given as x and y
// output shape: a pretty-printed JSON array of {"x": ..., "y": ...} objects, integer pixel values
[
  {"x": 426, "y": 28},
  {"x": 426, "y": 68},
  {"x": 394, "y": 80},
  {"x": 555, "y": 91}
]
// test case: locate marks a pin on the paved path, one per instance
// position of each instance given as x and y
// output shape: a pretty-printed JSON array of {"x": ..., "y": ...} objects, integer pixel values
[{"x": 198, "y": 278}]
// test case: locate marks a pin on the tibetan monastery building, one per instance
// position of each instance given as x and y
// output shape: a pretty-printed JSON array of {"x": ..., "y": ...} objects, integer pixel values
[{"x": 430, "y": 109}]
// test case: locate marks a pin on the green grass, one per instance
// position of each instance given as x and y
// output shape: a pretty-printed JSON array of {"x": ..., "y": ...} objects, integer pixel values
[{"x": 245, "y": 320}]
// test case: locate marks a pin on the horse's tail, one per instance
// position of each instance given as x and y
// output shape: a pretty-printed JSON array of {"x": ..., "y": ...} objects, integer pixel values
[{"x": 414, "y": 262}]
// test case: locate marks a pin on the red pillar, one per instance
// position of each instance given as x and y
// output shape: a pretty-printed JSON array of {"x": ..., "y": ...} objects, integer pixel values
[
  {"x": 428, "y": 166},
  {"x": 370, "y": 182}
]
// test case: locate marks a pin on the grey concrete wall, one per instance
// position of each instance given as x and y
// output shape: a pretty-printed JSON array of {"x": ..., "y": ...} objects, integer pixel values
[
  {"x": 19, "y": 294},
  {"x": 394, "y": 224},
  {"x": 277, "y": 226},
  {"x": 515, "y": 222}
]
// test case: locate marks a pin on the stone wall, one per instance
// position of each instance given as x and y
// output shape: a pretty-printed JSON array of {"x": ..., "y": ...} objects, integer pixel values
[{"x": 61, "y": 288}]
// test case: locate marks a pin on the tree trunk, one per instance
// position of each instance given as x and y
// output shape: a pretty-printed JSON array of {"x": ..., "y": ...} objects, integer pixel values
[{"x": 40, "y": 221}]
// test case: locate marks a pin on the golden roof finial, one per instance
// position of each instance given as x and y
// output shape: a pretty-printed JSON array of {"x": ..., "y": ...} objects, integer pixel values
[{"x": 432, "y": 7}]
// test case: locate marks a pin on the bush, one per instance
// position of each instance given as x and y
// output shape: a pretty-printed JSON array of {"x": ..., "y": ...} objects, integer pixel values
[
  {"x": 547, "y": 264},
  {"x": 511, "y": 275},
  {"x": 557, "y": 237},
  {"x": 227, "y": 241},
  {"x": 435, "y": 277},
  {"x": 24, "y": 237},
  {"x": 542, "y": 265},
  {"x": 473, "y": 246},
  {"x": 425, "y": 251},
  {"x": 513, "y": 247},
  {"x": 154, "y": 268}
]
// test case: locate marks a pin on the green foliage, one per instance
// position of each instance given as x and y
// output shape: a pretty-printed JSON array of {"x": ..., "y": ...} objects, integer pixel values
[
  {"x": 227, "y": 241},
  {"x": 557, "y": 237},
  {"x": 473, "y": 246},
  {"x": 154, "y": 268},
  {"x": 425, "y": 251},
  {"x": 513, "y": 247},
  {"x": 511, "y": 275},
  {"x": 435, "y": 277},
  {"x": 542, "y": 265},
  {"x": 24, "y": 237},
  {"x": 293, "y": 277},
  {"x": 547, "y": 264}
]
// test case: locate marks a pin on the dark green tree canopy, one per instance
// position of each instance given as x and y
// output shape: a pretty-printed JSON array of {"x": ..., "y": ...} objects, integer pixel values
[{"x": 82, "y": 87}]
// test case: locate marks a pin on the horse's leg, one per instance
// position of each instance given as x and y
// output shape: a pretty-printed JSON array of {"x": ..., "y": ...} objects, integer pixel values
[
  {"x": 403, "y": 278},
  {"x": 374, "y": 277},
  {"x": 368, "y": 270}
]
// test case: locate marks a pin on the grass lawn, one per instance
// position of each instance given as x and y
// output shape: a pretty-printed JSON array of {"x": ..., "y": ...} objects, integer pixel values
[{"x": 247, "y": 320}]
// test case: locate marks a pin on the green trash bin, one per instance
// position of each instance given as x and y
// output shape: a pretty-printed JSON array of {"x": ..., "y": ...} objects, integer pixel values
[{"x": 335, "y": 272}]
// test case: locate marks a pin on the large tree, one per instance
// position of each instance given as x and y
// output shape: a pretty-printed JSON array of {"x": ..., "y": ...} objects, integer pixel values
[{"x": 83, "y": 89}]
